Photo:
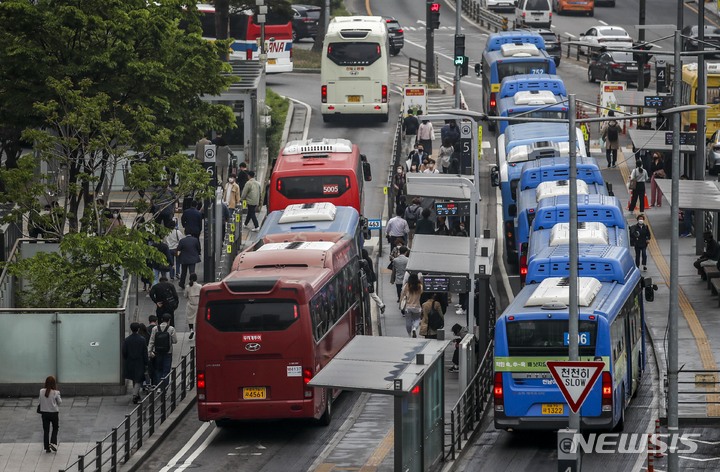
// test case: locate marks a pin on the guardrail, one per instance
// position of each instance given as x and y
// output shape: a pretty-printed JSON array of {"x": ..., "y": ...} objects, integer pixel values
[
  {"x": 697, "y": 387},
  {"x": 580, "y": 49},
  {"x": 416, "y": 70},
  {"x": 141, "y": 423},
  {"x": 397, "y": 159},
  {"x": 470, "y": 408},
  {"x": 484, "y": 17}
]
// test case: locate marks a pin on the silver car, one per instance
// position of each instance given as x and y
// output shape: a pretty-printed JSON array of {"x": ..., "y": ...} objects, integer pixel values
[{"x": 712, "y": 160}]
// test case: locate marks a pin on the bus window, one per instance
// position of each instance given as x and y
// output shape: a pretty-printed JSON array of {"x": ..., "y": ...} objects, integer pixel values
[
  {"x": 354, "y": 54},
  {"x": 547, "y": 337},
  {"x": 508, "y": 68},
  {"x": 250, "y": 316},
  {"x": 315, "y": 186}
]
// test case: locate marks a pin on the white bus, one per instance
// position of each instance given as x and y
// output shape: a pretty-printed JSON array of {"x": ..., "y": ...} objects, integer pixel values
[{"x": 355, "y": 68}]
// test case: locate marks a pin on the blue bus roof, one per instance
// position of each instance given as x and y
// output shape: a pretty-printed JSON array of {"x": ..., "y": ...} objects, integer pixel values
[
  {"x": 528, "y": 133},
  {"x": 492, "y": 57},
  {"x": 528, "y": 197},
  {"x": 516, "y": 83},
  {"x": 346, "y": 220},
  {"x": 601, "y": 208},
  {"x": 542, "y": 239},
  {"x": 605, "y": 263},
  {"x": 496, "y": 40},
  {"x": 508, "y": 105},
  {"x": 558, "y": 168}
]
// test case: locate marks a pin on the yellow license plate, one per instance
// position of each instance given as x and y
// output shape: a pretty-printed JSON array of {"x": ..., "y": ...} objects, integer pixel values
[
  {"x": 255, "y": 393},
  {"x": 272, "y": 61},
  {"x": 552, "y": 409},
  {"x": 354, "y": 98}
]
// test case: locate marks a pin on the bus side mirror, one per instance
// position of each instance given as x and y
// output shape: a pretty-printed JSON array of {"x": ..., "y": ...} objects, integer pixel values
[
  {"x": 650, "y": 289},
  {"x": 609, "y": 189},
  {"x": 478, "y": 69},
  {"x": 512, "y": 210},
  {"x": 495, "y": 176},
  {"x": 365, "y": 228},
  {"x": 367, "y": 171}
]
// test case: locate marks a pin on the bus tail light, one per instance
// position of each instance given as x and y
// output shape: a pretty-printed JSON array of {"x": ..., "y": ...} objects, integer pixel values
[
  {"x": 498, "y": 392},
  {"x": 323, "y": 94},
  {"x": 607, "y": 399},
  {"x": 693, "y": 126},
  {"x": 509, "y": 232},
  {"x": 493, "y": 102},
  {"x": 384, "y": 93},
  {"x": 201, "y": 385},
  {"x": 307, "y": 376}
]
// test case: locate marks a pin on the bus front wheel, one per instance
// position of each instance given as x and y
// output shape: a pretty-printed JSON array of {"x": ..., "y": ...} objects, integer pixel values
[{"x": 326, "y": 417}]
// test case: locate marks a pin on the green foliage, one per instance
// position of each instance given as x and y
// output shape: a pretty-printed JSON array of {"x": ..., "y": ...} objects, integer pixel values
[{"x": 279, "y": 109}]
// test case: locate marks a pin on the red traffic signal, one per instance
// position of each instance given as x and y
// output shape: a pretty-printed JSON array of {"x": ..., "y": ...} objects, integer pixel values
[
  {"x": 433, "y": 15},
  {"x": 435, "y": 7}
]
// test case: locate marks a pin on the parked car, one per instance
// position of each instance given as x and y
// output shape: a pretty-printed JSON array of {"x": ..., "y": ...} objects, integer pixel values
[
  {"x": 305, "y": 21},
  {"x": 395, "y": 35},
  {"x": 613, "y": 36},
  {"x": 690, "y": 38},
  {"x": 616, "y": 66},
  {"x": 713, "y": 154},
  {"x": 578, "y": 6},
  {"x": 533, "y": 13}
]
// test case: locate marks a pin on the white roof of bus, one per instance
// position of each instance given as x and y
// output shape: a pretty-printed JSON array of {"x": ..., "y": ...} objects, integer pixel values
[
  {"x": 558, "y": 187},
  {"x": 590, "y": 232},
  {"x": 522, "y": 153},
  {"x": 519, "y": 50},
  {"x": 535, "y": 97},
  {"x": 324, "y": 211},
  {"x": 321, "y": 145},
  {"x": 295, "y": 245},
  {"x": 555, "y": 291},
  {"x": 375, "y": 24}
]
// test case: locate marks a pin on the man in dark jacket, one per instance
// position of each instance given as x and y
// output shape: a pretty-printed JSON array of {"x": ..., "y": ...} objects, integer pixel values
[
  {"x": 640, "y": 238},
  {"x": 410, "y": 127},
  {"x": 424, "y": 224},
  {"x": 166, "y": 298},
  {"x": 135, "y": 357},
  {"x": 188, "y": 254},
  {"x": 450, "y": 131},
  {"x": 192, "y": 220}
]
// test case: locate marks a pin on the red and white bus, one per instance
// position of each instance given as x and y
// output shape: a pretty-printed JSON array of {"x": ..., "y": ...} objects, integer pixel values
[
  {"x": 246, "y": 33},
  {"x": 327, "y": 170},
  {"x": 264, "y": 331}
]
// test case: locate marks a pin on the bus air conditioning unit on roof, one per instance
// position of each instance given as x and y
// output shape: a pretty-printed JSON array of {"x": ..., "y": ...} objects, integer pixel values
[
  {"x": 322, "y": 145},
  {"x": 590, "y": 232},
  {"x": 555, "y": 291},
  {"x": 301, "y": 212},
  {"x": 534, "y": 151},
  {"x": 558, "y": 187},
  {"x": 301, "y": 245},
  {"x": 519, "y": 50},
  {"x": 535, "y": 97}
]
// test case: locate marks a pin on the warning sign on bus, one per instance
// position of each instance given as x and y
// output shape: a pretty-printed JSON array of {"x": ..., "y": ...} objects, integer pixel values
[{"x": 575, "y": 379}]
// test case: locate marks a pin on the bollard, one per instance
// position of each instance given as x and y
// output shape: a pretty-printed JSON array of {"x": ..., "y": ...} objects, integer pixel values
[
  {"x": 658, "y": 453},
  {"x": 650, "y": 464}
]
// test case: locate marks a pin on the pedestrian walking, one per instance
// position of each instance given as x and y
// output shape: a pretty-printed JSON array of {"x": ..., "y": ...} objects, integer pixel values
[
  {"x": 610, "y": 132},
  {"x": 172, "y": 239},
  {"x": 200, "y": 148},
  {"x": 161, "y": 269},
  {"x": 166, "y": 300},
  {"x": 397, "y": 227},
  {"x": 410, "y": 127},
  {"x": 638, "y": 177},
  {"x": 433, "y": 317},
  {"x": 135, "y": 359},
  {"x": 160, "y": 348},
  {"x": 366, "y": 265},
  {"x": 399, "y": 264},
  {"x": 192, "y": 294},
  {"x": 192, "y": 219},
  {"x": 444, "y": 155},
  {"x": 49, "y": 409},
  {"x": 639, "y": 239},
  {"x": 188, "y": 253},
  {"x": 657, "y": 171},
  {"x": 425, "y": 136},
  {"x": 450, "y": 131},
  {"x": 410, "y": 304},
  {"x": 152, "y": 365},
  {"x": 425, "y": 224},
  {"x": 251, "y": 195},
  {"x": 231, "y": 195},
  {"x": 398, "y": 183},
  {"x": 242, "y": 175}
]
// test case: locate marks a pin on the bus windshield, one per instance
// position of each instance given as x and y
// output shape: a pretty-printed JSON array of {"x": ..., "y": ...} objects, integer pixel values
[
  {"x": 548, "y": 337},
  {"x": 354, "y": 54},
  {"x": 242, "y": 316},
  {"x": 542, "y": 114},
  {"x": 508, "y": 68},
  {"x": 313, "y": 186}
]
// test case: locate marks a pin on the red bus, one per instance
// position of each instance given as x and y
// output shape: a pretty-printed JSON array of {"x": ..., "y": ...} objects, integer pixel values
[
  {"x": 264, "y": 331},
  {"x": 327, "y": 170}
]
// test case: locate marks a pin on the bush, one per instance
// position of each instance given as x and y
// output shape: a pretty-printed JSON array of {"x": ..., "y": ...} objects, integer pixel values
[{"x": 279, "y": 109}]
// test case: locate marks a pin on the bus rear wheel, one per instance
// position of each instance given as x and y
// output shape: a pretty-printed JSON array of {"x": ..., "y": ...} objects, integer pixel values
[
  {"x": 384, "y": 118},
  {"x": 326, "y": 417},
  {"x": 327, "y": 118}
]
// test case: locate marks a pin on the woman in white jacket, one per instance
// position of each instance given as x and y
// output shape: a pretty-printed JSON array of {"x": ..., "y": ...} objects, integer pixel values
[
  {"x": 192, "y": 293},
  {"x": 49, "y": 401}
]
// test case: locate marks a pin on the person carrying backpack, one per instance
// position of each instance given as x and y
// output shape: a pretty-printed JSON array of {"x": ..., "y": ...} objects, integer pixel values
[
  {"x": 413, "y": 212},
  {"x": 160, "y": 347},
  {"x": 611, "y": 134},
  {"x": 166, "y": 299},
  {"x": 433, "y": 318}
]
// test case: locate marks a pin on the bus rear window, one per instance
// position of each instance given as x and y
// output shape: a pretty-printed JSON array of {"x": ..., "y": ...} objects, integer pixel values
[
  {"x": 353, "y": 54},
  {"x": 315, "y": 186},
  {"x": 559, "y": 115},
  {"x": 240, "y": 316},
  {"x": 508, "y": 68},
  {"x": 548, "y": 337}
]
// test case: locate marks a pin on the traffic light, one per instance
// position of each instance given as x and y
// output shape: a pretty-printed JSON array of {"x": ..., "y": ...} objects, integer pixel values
[
  {"x": 459, "y": 49},
  {"x": 434, "y": 8},
  {"x": 465, "y": 67}
]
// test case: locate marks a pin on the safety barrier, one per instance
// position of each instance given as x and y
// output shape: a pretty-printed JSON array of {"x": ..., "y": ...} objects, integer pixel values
[
  {"x": 580, "y": 48},
  {"x": 141, "y": 423},
  {"x": 484, "y": 17},
  {"x": 697, "y": 387},
  {"x": 397, "y": 159}
]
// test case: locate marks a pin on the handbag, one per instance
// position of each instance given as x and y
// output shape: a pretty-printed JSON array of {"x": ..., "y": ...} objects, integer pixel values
[
  {"x": 632, "y": 184},
  {"x": 38, "y": 410},
  {"x": 403, "y": 304}
]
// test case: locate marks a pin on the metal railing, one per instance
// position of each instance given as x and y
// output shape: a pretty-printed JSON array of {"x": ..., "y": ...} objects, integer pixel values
[
  {"x": 484, "y": 17},
  {"x": 396, "y": 161},
  {"x": 697, "y": 387},
  {"x": 580, "y": 49},
  {"x": 416, "y": 70},
  {"x": 141, "y": 423},
  {"x": 470, "y": 408}
]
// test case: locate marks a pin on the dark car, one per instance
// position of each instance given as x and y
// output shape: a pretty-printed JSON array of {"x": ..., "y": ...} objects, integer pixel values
[
  {"x": 395, "y": 35},
  {"x": 305, "y": 21},
  {"x": 552, "y": 44},
  {"x": 690, "y": 38},
  {"x": 616, "y": 66}
]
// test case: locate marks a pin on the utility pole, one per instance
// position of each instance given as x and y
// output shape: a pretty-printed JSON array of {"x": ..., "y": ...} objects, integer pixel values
[
  {"x": 641, "y": 40},
  {"x": 327, "y": 15},
  {"x": 699, "y": 173},
  {"x": 573, "y": 315},
  {"x": 458, "y": 67},
  {"x": 672, "y": 355},
  {"x": 432, "y": 21}
]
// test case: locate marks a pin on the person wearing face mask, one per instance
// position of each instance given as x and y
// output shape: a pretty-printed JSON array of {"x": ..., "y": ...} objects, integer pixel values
[
  {"x": 425, "y": 136},
  {"x": 231, "y": 196},
  {"x": 398, "y": 183},
  {"x": 639, "y": 239}
]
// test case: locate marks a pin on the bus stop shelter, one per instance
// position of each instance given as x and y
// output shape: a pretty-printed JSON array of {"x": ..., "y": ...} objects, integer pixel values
[
  {"x": 694, "y": 194},
  {"x": 409, "y": 369}
]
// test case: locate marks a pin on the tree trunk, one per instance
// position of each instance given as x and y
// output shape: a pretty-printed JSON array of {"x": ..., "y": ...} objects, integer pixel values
[
  {"x": 222, "y": 22},
  {"x": 317, "y": 46}
]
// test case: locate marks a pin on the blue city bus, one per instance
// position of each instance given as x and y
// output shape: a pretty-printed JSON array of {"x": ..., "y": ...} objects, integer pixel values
[
  {"x": 531, "y": 82},
  {"x": 511, "y": 59},
  {"x": 534, "y": 329},
  {"x": 496, "y": 40},
  {"x": 532, "y": 104},
  {"x": 608, "y": 263},
  {"x": 535, "y": 172},
  {"x": 550, "y": 211}
]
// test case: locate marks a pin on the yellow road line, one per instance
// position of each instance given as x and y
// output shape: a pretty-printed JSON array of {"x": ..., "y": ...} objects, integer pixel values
[
  {"x": 368, "y": 10},
  {"x": 701, "y": 339},
  {"x": 325, "y": 468},
  {"x": 380, "y": 452},
  {"x": 708, "y": 20}
]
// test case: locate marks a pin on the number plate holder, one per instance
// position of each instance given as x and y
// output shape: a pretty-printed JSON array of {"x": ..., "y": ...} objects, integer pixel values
[
  {"x": 255, "y": 393},
  {"x": 353, "y": 98},
  {"x": 552, "y": 409}
]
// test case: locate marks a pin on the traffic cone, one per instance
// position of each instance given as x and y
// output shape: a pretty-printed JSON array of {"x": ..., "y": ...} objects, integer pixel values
[{"x": 647, "y": 205}]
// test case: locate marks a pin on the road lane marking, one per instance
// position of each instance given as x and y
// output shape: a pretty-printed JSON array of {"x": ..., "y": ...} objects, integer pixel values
[
  {"x": 185, "y": 448},
  {"x": 188, "y": 462},
  {"x": 308, "y": 111},
  {"x": 500, "y": 245},
  {"x": 602, "y": 22},
  {"x": 380, "y": 452},
  {"x": 707, "y": 19}
]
